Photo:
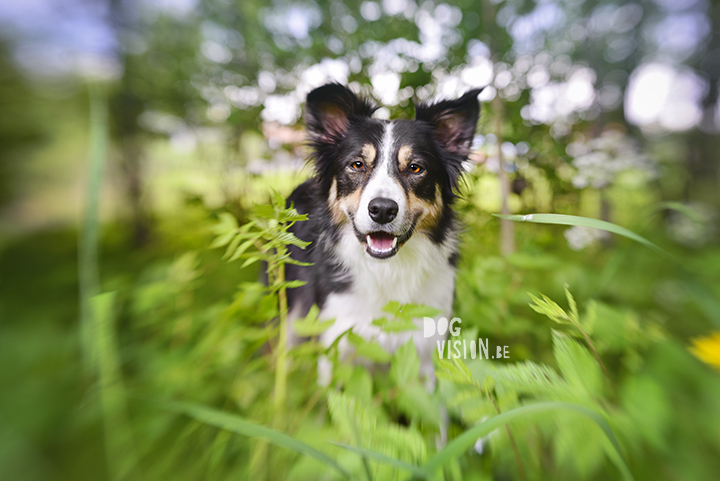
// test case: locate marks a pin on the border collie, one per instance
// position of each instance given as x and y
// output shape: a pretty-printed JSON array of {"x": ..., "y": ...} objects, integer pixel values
[{"x": 380, "y": 218}]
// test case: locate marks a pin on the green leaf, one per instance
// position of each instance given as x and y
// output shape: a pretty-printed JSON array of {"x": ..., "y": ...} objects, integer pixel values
[
  {"x": 578, "y": 444},
  {"x": 240, "y": 250},
  {"x": 276, "y": 286},
  {"x": 263, "y": 211},
  {"x": 352, "y": 418},
  {"x": 549, "y": 308},
  {"x": 577, "y": 365},
  {"x": 222, "y": 239},
  {"x": 375, "y": 456},
  {"x": 394, "y": 326},
  {"x": 251, "y": 260},
  {"x": 409, "y": 311},
  {"x": 290, "y": 260},
  {"x": 405, "y": 364},
  {"x": 408, "y": 443},
  {"x": 590, "y": 318},
  {"x": 649, "y": 408},
  {"x": 288, "y": 238},
  {"x": 560, "y": 219},
  {"x": 369, "y": 350},
  {"x": 466, "y": 440},
  {"x": 416, "y": 403},
  {"x": 227, "y": 222},
  {"x": 278, "y": 199},
  {"x": 477, "y": 409},
  {"x": 310, "y": 325},
  {"x": 106, "y": 360},
  {"x": 574, "y": 316},
  {"x": 291, "y": 215},
  {"x": 461, "y": 397},
  {"x": 615, "y": 329},
  {"x": 232, "y": 245},
  {"x": 237, "y": 424},
  {"x": 455, "y": 371},
  {"x": 360, "y": 385},
  {"x": 530, "y": 378},
  {"x": 334, "y": 346}
]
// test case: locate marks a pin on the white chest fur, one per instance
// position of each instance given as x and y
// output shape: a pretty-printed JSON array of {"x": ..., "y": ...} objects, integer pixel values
[{"x": 419, "y": 273}]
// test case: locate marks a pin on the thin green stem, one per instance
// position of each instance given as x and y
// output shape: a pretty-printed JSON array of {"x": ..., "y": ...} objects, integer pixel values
[
  {"x": 97, "y": 333},
  {"x": 88, "y": 270},
  {"x": 281, "y": 353}
]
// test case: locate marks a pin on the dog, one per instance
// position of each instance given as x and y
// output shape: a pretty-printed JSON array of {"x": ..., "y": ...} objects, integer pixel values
[{"x": 380, "y": 215}]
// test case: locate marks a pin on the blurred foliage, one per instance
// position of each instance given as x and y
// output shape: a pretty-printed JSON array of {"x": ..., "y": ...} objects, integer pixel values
[
  {"x": 190, "y": 326},
  {"x": 181, "y": 380}
]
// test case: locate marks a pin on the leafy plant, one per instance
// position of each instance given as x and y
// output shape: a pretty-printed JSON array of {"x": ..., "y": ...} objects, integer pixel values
[
  {"x": 382, "y": 445},
  {"x": 268, "y": 231}
]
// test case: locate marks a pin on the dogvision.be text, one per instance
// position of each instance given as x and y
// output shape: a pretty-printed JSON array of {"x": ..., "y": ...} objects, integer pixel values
[{"x": 460, "y": 348}]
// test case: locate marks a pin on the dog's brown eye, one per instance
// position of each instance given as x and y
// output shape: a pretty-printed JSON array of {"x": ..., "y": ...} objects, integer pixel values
[
  {"x": 414, "y": 168},
  {"x": 357, "y": 165}
]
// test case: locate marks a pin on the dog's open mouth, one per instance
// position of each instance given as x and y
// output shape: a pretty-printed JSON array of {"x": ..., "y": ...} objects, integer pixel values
[{"x": 381, "y": 244}]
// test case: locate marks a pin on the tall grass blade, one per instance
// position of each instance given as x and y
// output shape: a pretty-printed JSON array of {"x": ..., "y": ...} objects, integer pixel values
[
  {"x": 417, "y": 471},
  {"x": 119, "y": 445},
  {"x": 237, "y": 424},
  {"x": 681, "y": 208},
  {"x": 467, "y": 439},
  {"x": 88, "y": 269},
  {"x": 573, "y": 220}
]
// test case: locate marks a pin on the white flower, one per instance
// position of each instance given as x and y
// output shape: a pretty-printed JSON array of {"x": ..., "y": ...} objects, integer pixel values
[
  {"x": 600, "y": 160},
  {"x": 579, "y": 237},
  {"x": 693, "y": 228}
]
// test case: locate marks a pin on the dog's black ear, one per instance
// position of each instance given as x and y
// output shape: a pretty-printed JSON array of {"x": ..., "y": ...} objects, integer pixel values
[
  {"x": 453, "y": 121},
  {"x": 330, "y": 109}
]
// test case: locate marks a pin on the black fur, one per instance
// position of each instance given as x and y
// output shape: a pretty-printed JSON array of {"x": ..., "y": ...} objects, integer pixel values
[
  {"x": 453, "y": 125},
  {"x": 325, "y": 276},
  {"x": 330, "y": 112}
]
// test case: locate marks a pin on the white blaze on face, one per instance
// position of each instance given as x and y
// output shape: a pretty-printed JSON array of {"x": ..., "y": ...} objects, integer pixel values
[{"x": 382, "y": 185}]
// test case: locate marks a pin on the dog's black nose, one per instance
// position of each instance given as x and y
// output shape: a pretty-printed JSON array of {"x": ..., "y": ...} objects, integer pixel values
[{"x": 382, "y": 210}]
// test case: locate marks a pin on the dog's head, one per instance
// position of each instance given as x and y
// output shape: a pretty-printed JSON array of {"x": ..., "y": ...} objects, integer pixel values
[{"x": 389, "y": 179}]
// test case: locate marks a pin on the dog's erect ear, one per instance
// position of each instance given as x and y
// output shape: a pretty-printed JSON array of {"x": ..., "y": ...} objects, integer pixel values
[
  {"x": 453, "y": 121},
  {"x": 329, "y": 111}
]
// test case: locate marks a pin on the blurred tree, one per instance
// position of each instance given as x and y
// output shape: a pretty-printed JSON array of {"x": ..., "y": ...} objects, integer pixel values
[
  {"x": 21, "y": 128},
  {"x": 153, "y": 53},
  {"x": 559, "y": 71}
]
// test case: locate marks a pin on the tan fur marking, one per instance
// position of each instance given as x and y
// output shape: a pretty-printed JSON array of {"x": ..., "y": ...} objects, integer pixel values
[
  {"x": 369, "y": 153},
  {"x": 332, "y": 196},
  {"x": 431, "y": 211},
  {"x": 349, "y": 204},
  {"x": 334, "y": 205},
  {"x": 404, "y": 157},
  {"x": 340, "y": 207}
]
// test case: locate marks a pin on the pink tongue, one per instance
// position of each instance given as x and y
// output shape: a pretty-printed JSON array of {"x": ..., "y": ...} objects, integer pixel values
[{"x": 381, "y": 242}]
